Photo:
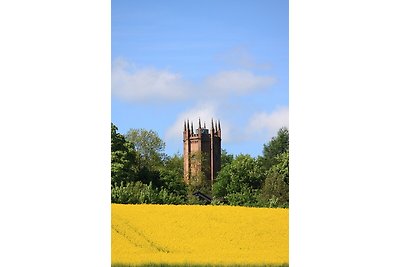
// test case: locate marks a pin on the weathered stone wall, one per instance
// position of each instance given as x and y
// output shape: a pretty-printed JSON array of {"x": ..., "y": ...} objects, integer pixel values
[{"x": 201, "y": 151}]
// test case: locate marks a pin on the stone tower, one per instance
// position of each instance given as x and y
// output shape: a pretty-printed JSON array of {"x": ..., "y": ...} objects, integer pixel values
[{"x": 201, "y": 150}]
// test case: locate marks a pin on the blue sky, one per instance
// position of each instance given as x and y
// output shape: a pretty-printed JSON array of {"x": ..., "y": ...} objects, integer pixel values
[{"x": 177, "y": 60}]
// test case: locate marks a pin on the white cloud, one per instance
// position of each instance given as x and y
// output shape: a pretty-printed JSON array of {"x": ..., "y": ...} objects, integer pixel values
[
  {"x": 269, "y": 123},
  {"x": 239, "y": 56},
  {"x": 237, "y": 81},
  {"x": 133, "y": 84},
  {"x": 206, "y": 112},
  {"x": 261, "y": 125}
]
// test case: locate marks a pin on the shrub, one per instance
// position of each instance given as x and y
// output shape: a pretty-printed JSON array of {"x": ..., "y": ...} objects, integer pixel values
[{"x": 139, "y": 193}]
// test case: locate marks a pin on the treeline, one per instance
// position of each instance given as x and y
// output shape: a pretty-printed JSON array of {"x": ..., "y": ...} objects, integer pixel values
[{"x": 142, "y": 173}]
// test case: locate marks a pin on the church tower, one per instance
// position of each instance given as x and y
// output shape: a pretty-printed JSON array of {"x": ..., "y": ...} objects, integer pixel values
[{"x": 201, "y": 150}]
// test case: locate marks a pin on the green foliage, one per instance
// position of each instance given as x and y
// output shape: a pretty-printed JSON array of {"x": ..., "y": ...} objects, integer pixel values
[
  {"x": 147, "y": 176},
  {"x": 238, "y": 182},
  {"x": 149, "y": 146},
  {"x": 174, "y": 163},
  {"x": 139, "y": 193},
  {"x": 123, "y": 158},
  {"x": 198, "y": 181},
  {"x": 171, "y": 176},
  {"x": 142, "y": 173},
  {"x": 246, "y": 197},
  {"x": 275, "y": 191},
  {"x": 220, "y": 187},
  {"x": 276, "y": 146},
  {"x": 217, "y": 202},
  {"x": 226, "y": 158}
]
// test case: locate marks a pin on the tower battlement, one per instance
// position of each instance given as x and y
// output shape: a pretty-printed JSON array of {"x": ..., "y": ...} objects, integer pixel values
[{"x": 201, "y": 150}]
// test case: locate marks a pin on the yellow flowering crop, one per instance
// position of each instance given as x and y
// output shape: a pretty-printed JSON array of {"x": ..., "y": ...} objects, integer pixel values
[{"x": 189, "y": 234}]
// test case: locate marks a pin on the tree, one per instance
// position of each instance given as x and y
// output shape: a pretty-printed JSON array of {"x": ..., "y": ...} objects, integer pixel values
[
  {"x": 174, "y": 163},
  {"x": 123, "y": 158},
  {"x": 275, "y": 191},
  {"x": 149, "y": 146},
  {"x": 226, "y": 158},
  {"x": 276, "y": 146},
  {"x": 239, "y": 181},
  {"x": 171, "y": 175}
]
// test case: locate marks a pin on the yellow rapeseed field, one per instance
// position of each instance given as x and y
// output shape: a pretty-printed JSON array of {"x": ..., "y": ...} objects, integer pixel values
[{"x": 189, "y": 234}]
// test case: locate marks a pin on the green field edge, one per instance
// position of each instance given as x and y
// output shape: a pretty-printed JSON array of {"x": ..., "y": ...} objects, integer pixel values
[{"x": 197, "y": 265}]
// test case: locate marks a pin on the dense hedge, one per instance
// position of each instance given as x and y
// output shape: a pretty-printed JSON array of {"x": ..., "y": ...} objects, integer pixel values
[{"x": 139, "y": 193}]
